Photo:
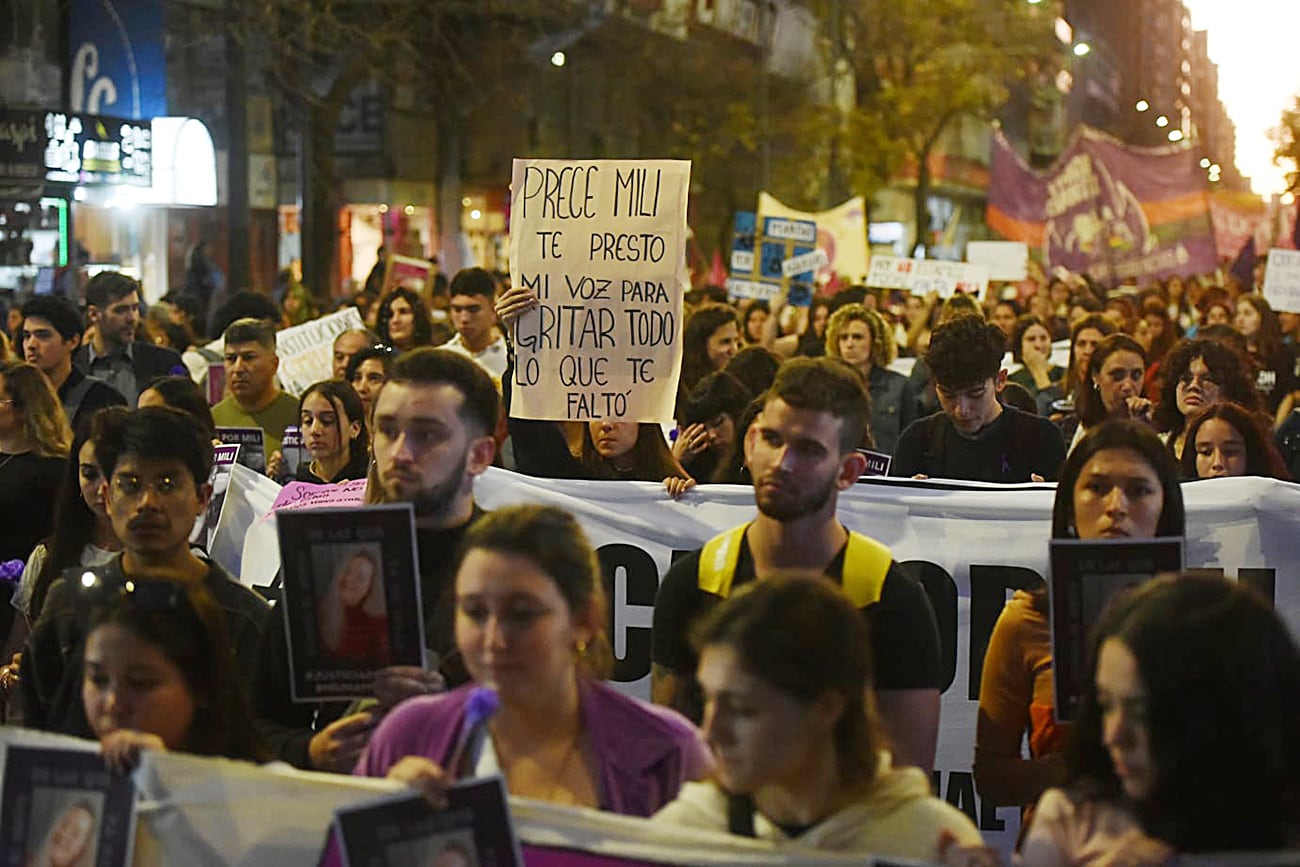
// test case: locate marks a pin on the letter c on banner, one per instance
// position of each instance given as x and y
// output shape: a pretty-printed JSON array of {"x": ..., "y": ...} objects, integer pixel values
[{"x": 640, "y": 584}]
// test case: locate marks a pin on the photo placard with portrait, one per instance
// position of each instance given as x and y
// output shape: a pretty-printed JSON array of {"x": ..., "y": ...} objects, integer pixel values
[
  {"x": 1087, "y": 575},
  {"x": 252, "y": 443},
  {"x": 224, "y": 459},
  {"x": 64, "y": 808},
  {"x": 351, "y": 597},
  {"x": 402, "y": 830}
]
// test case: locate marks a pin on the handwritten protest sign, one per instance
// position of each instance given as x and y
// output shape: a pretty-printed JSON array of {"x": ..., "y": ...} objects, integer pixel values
[
  {"x": 788, "y": 257},
  {"x": 307, "y": 351},
  {"x": 921, "y": 276},
  {"x": 412, "y": 273},
  {"x": 1282, "y": 280},
  {"x": 602, "y": 243}
]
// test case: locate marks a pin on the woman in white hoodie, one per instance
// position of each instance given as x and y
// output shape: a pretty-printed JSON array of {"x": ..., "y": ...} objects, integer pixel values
[{"x": 785, "y": 668}]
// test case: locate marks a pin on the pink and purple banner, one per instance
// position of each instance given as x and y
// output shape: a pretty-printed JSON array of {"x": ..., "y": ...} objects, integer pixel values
[{"x": 1117, "y": 212}]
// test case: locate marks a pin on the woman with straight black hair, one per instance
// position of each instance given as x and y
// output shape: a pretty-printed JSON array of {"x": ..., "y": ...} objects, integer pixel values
[{"x": 1226, "y": 439}]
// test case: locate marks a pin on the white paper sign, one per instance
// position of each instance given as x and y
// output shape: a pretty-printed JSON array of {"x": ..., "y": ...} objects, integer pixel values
[
  {"x": 807, "y": 262},
  {"x": 752, "y": 289},
  {"x": 1282, "y": 280},
  {"x": 1006, "y": 260},
  {"x": 922, "y": 276},
  {"x": 603, "y": 244},
  {"x": 742, "y": 261},
  {"x": 307, "y": 351}
]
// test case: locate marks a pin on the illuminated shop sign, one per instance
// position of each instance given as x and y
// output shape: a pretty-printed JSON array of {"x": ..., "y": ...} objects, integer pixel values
[{"x": 89, "y": 149}]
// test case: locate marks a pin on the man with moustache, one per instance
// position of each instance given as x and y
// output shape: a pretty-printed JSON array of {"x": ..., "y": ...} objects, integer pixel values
[
  {"x": 156, "y": 462},
  {"x": 802, "y": 451},
  {"x": 254, "y": 399},
  {"x": 433, "y": 424}
]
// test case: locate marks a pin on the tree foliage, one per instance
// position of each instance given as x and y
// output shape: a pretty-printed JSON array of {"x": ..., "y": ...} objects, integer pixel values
[{"x": 1287, "y": 139}]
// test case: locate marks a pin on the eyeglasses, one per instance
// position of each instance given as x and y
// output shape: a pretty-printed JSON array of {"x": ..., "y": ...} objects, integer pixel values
[{"x": 133, "y": 487}]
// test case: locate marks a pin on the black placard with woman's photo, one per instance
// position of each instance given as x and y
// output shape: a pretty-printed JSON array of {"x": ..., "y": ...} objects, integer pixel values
[
  {"x": 64, "y": 807},
  {"x": 1086, "y": 576},
  {"x": 351, "y": 597}
]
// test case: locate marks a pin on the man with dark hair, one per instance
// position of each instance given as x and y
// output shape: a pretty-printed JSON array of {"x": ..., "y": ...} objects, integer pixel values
[
  {"x": 802, "y": 451},
  {"x": 433, "y": 424},
  {"x": 974, "y": 435},
  {"x": 50, "y": 333},
  {"x": 156, "y": 463},
  {"x": 473, "y": 293},
  {"x": 112, "y": 353},
  {"x": 348, "y": 344},
  {"x": 254, "y": 399}
]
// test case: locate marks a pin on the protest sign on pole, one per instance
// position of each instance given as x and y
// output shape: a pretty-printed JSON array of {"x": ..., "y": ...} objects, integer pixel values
[
  {"x": 1282, "y": 280},
  {"x": 603, "y": 244},
  {"x": 409, "y": 272},
  {"x": 922, "y": 276},
  {"x": 841, "y": 234},
  {"x": 1006, "y": 260},
  {"x": 307, "y": 351}
]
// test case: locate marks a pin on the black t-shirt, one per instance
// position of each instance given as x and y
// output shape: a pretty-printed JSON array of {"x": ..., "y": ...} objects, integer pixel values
[
  {"x": 95, "y": 395},
  {"x": 904, "y": 633},
  {"x": 29, "y": 485},
  {"x": 287, "y": 726},
  {"x": 1015, "y": 445}
]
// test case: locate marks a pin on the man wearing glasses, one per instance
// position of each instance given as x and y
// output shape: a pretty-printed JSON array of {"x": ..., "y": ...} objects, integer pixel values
[{"x": 156, "y": 463}]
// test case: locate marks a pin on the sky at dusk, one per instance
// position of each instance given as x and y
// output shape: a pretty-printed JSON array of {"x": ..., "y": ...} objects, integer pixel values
[{"x": 1253, "y": 42}]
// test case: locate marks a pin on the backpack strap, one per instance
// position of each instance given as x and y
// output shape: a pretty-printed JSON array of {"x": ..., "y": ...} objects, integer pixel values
[
  {"x": 866, "y": 564},
  {"x": 740, "y": 815},
  {"x": 718, "y": 561},
  {"x": 76, "y": 395}
]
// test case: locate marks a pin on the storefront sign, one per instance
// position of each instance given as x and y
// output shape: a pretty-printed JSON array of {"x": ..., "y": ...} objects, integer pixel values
[
  {"x": 91, "y": 150},
  {"x": 116, "y": 58},
  {"x": 22, "y": 141}
]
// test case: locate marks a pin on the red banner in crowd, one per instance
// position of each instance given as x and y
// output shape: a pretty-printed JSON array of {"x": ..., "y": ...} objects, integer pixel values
[{"x": 1114, "y": 211}]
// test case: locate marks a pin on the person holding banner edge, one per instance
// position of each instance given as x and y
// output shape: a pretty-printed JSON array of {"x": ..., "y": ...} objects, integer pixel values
[{"x": 802, "y": 451}]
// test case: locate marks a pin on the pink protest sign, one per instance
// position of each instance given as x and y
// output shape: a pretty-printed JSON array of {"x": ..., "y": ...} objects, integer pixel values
[{"x": 304, "y": 495}]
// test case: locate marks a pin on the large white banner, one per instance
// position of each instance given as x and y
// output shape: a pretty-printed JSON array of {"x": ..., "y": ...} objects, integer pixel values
[
  {"x": 602, "y": 243},
  {"x": 971, "y": 545}
]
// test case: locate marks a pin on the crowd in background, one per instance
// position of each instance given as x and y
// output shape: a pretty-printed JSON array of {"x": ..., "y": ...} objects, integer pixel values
[{"x": 786, "y": 706}]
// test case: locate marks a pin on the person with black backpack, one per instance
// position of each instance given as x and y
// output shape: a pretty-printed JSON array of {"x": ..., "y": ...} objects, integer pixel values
[{"x": 974, "y": 436}]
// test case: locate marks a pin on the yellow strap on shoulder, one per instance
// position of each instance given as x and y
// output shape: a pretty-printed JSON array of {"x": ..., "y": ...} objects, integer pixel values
[
  {"x": 866, "y": 563},
  {"x": 718, "y": 561}
]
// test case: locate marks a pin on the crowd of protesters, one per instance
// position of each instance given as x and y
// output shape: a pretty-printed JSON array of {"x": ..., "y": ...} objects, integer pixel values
[{"x": 796, "y": 666}]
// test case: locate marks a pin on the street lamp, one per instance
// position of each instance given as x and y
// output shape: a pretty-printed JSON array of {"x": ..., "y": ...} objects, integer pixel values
[
  {"x": 1175, "y": 135},
  {"x": 1142, "y": 105},
  {"x": 558, "y": 59},
  {"x": 1205, "y": 162},
  {"x": 1162, "y": 121},
  {"x": 1081, "y": 49}
]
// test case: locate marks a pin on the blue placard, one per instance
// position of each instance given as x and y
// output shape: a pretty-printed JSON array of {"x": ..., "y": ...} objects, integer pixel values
[{"x": 117, "y": 65}]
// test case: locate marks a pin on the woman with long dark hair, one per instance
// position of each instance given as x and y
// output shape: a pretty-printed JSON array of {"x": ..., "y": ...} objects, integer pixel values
[
  {"x": 1113, "y": 388},
  {"x": 710, "y": 338},
  {"x": 1119, "y": 481},
  {"x": 333, "y": 424},
  {"x": 1274, "y": 359},
  {"x": 1188, "y": 740},
  {"x": 160, "y": 673},
  {"x": 34, "y": 441},
  {"x": 1195, "y": 374},
  {"x": 1226, "y": 439}
]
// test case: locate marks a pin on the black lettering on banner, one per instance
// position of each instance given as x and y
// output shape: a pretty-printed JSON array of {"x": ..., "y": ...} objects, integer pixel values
[
  {"x": 942, "y": 591},
  {"x": 626, "y": 247},
  {"x": 960, "y": 792},
  {"x": 641, "y": 583},
  {"x": 539, "y": 283},
  {"x": 588, "y": 289},
  {"x": 596, "y": 404},
  {"x": 528, "y": 371},
  {"x": 988, "y": 596},
  {"x": 1262, "y": 581}
]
